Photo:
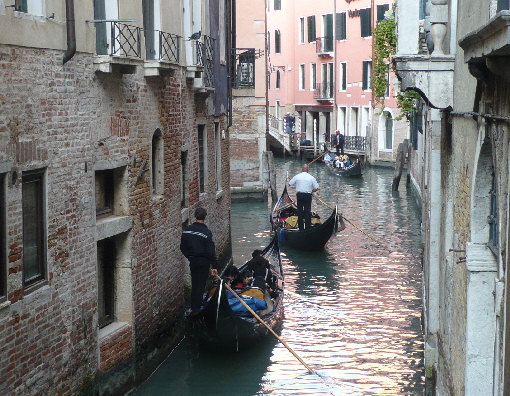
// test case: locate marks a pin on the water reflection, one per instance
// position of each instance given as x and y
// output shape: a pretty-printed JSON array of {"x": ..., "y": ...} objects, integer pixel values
[{"x": 352, "y": 311}]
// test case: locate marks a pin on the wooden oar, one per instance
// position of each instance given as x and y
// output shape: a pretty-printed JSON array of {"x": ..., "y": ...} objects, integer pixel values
[
  {"x": 311, "y": 370},
  {"x": 317, "y": 158},
  {"x": 355, "y": 226}
]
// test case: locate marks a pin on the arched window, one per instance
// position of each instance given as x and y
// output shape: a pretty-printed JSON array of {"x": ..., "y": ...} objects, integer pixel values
[
  {"x": 278, "y": 79},
  {"x": 385, "y": 131},
  {"x": 277, "y": 42},
  {"x": 157, "y": 163}
]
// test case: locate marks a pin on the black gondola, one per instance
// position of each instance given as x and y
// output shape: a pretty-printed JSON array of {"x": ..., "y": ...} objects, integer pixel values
[
  {"x": 219, "y": 327},
  {"x": 354, "y": 170},
  {"x": 314, "y": 238}
]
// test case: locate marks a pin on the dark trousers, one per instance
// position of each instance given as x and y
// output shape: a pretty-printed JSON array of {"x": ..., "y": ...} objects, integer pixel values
[
  {"x": 304, "y": 210},
  {"x": 338, "y": 150},
  {"x": 341, "y": 149},
  {"x": 199, "y": 274}
]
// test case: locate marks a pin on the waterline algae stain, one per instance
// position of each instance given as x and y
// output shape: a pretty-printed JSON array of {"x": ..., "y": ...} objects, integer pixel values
[{"x": 352, "y": 311}]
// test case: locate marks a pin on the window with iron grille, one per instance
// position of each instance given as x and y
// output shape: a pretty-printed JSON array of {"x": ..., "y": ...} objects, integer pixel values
[
  {"x": 3, "y": 238},
  {"x": 341, "y": 26},
  {"x": 312, "y": 35},
  {"x": 493, "y": 217},
  {"x": 201, "y": 157},
  {"x": 277, "y": 5},
  {"x": 106, "y": 257},
  {"x": 381, "y": 10},
  {"x": 34, "y": 227},
  {"x": 277, "y": 42},
  {"x": 367, "y": 75},
  {"x": 366, "y": 22}
]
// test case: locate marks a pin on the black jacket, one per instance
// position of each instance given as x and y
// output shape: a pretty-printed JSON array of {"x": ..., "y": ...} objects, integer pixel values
[
  {"x": 260, "y": 267},
  {"x": 197, "y": 244},
  {"x": 338, "y": 140}
]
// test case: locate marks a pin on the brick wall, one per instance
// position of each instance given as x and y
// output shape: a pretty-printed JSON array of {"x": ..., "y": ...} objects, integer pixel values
[{"x": 67, "y": 120}]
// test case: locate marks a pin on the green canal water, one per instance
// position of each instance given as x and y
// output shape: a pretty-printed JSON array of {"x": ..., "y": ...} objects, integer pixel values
[{"x": 352, "y": 311}]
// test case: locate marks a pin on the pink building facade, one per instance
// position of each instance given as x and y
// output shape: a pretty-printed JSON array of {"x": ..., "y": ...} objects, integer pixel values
[{"x": 320, "y": 66}]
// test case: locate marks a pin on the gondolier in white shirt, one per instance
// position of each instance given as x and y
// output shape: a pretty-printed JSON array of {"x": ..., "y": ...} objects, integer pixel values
[{"x": 305, "y": 185}]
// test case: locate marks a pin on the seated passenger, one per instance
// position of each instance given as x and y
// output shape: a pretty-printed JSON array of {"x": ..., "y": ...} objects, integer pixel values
[
  {"x": 261, "y": 269},
  {"x": 242, "y": 281},
  {"x": 231, "y": 274}
]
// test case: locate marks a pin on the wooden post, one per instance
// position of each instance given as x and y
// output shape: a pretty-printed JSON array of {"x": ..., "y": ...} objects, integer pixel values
[
  {"x": 399, "y": 165},
  {"x": 272, "y": 176}
]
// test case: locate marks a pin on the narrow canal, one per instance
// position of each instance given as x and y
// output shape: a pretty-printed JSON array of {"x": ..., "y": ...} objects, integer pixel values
[{"x": 352, "y": 311}]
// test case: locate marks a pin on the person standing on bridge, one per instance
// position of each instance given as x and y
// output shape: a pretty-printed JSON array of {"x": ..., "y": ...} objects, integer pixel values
[
  {"x": 198, "y": 247},
  {"x": 305, "y": 185}
]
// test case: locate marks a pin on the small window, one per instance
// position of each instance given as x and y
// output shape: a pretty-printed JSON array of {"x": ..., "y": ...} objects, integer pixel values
[
  {"x": 268, "y": 43},
  {"x": 503, "y": 5},
  {"x": 277, "y": 5},
  {"x": 313, "y": 77},
  {"x": 343, "y": 76},
  {"x": 3, "y": 238},
  {"x": 106, "y": 257},
  {"x": 278, "y": 79},
  {"x": 277, "y": 109},
  {"x": 184, "y": 179},
  {"x": 381, "y": 11},
  {"x": 312, "y": 34},
  {"x": 277, "y": 42},
  {"x": 302, "y": 77},
  {"x": 367, "y": 75},
  {"x": 34, "y": 227},
  {"x": 366, "y": 22},
  {"x": 32, "y": 7},
  {"x": 301, "y": 30},
  {"x": 104, "y": 192},
  {"x": 157, "y": 163},
  {"x": 217, "y": 151},
  {"x": 341, "y": 26},
  {"x": 202, "y": 157}
]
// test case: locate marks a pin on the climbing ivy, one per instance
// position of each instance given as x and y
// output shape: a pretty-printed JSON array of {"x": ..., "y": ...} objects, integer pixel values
[{"x": 385, "y": 45}]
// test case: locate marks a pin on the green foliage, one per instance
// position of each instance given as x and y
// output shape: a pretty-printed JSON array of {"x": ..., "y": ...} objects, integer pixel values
[
  {"x": 385, "y": 42},
  {"x": 406, "y": 102},
  {"x": 385, "y": 45}
]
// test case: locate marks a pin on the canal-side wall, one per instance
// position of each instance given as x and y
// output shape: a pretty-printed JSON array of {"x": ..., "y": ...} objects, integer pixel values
[{"x": 73, "y": 124}]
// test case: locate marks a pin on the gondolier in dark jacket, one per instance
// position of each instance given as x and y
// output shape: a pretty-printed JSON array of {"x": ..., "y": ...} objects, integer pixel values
[
  {"x": 198, "y": 247},
  {"x": 305, "y": 185},
  {"x": 338, "y": 142}
]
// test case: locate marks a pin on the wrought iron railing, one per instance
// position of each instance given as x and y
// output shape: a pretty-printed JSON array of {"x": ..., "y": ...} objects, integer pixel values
[
  {"x": 198, "y": 53},
  {"x": 323, "y": 91},
  {"x": 324, "y": 44},
  {"x": 209, "y": 44},
  {"x": 169, "y": 47},
  {"x": 125, "y": 40},
  {"x": 243, "y": 71},
  {"x": 355, "y": 143}
]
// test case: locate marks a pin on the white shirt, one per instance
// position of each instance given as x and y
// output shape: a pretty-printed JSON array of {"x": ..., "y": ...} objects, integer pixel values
[{"x": 304, "y": 182}]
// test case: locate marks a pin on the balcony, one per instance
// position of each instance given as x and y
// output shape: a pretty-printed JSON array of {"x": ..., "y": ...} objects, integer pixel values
[
  {"x": 119, "y": 50},
  {"x": 164, "y": 57},
  {"x": 243, "y": 71},
  {"x": 324, "y": 46},
  {"x": 323, "y": 92},
  {"x": 487, "y": 49},
  {"x": 426, "y": 69}
]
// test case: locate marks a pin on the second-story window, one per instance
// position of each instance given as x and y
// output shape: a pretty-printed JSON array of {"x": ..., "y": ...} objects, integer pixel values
[
  {"x": 277, "y": 5},
  {"x": 301, "y": 30},
  {"x": 311, "y": 29},
  {"x": 366, "y": 22},
  {"x": 343, "y": 76},
  {"x": 277, "y": 42},
  {"x": 302, "y": 77},
  {"x": 341, "y": 26},
  {"x": 381, "y": 11},
  {"x": 32, "y": 7},
  {"x": 367, "y": 75},
  {"x": 278, "y": 79},
  {"x": 313, "y": 77}
]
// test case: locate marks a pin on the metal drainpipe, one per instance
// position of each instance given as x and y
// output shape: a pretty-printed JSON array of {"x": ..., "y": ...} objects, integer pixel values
[
  {"x": 335, "y": 79},
  {"x": 71, "y": 33}
]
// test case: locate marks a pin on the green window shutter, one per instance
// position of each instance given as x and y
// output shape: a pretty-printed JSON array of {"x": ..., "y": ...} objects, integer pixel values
[
  {"x": 311, "y": 29},
  {"x": 338, "y": 27},
  {"x": 381, "y": 10},
  {"x": 344, "y": 25},
  {"x": 100, "y": 13},
  {"x": 365, "y": 75},
  {"x": 369, "y": 22},
  {"x": 344, "y": 77},
  {"x": 365, "y": 17}
]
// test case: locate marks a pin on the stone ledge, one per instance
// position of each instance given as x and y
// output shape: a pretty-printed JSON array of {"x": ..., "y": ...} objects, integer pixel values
[
  {"x": 155, "y": 68},
  {"x": 479, "y": 258},
  {"x": 112, "y": 63},
  {"x": 107, "y": 227}
]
